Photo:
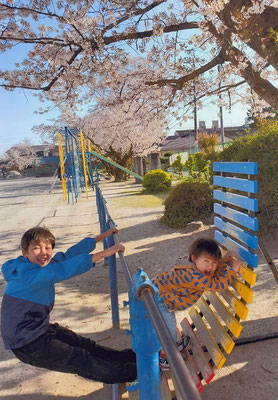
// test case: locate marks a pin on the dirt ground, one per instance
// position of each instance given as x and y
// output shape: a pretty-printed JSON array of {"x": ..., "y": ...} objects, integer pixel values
[{"x": 83, "y": 303}]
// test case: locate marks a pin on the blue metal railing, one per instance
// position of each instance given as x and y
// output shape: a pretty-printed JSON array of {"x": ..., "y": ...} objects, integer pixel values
[{"x": 148, "y": 328}]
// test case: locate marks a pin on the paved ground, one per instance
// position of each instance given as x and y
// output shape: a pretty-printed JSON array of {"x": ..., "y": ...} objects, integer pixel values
[{"x": 82, "y": 303}]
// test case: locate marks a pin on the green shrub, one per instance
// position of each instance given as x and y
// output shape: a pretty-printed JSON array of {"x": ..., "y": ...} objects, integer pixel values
[
  {"x": 157, "y": 181},
  {"x": 178, "y": 166},
  {"x": 263, "y": 148},
  {"x": 198, "y": 166},
  {"x": 189, "y": 201}
]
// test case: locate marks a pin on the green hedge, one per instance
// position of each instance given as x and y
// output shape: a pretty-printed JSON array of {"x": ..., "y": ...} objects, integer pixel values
[
  {"x": 189, "y": 201},
  {"x": 157, "y": 181}
]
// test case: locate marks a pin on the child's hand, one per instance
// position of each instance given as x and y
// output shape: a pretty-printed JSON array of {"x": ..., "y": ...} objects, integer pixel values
[
  {"x": 235, "y": 264},
  {"x": 110, "y": 231},
  {"x": 119, "y": 247},
  {"x": 227, "y": 257}
]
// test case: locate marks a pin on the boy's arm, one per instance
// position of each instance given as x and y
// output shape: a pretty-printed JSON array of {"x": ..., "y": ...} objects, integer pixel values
[
  {"x": 85, "y": 246},
  {"x": 58, "y": 272},
  {"x": 108, "y": 252},
  {"x": 106, "y": 234},
  {"x": 230, "y": 260}
]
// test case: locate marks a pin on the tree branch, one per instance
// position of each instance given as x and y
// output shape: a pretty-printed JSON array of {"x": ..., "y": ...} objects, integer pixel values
[
  {"x": 146, "y": 34},
  {"x": 179, "y": 83}
]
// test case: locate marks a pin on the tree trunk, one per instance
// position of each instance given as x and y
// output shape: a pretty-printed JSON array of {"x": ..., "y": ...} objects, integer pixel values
[
  {"x": 154, "y": 161},
  {"x": 119, "y": 175},
  {"x": 138, "y": 168}
]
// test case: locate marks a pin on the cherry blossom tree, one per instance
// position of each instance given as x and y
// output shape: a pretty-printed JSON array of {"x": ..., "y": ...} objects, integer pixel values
[
  {"x": 19, "y": 156},
  {"x": 126, "y": 121},
  {"x": 73, "y": 45}
]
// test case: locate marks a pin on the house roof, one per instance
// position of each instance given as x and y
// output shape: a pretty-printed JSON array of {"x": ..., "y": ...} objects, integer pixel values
[
  {"x": 185, "y": 139},
  {"x": 180, "y": 143}
]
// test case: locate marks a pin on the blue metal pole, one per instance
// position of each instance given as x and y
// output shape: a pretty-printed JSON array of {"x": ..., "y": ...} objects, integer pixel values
[
  {"x": 113, "y": 284},
  {"x": 145, "y": 342},
  {"x": 92, "y": 174},
  {"x": 97, "y": 174}
]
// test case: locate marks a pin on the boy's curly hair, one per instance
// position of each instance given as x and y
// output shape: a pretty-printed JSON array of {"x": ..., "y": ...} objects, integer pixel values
[
  {"x": 37, "y": 233},
  {"x": 202, "y": 245}
]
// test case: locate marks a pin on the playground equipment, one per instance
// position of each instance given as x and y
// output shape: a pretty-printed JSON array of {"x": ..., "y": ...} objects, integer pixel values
[
  {"x": 148, "y": 328},
  {"x": 215, "y": 318},
  {"x": 214, "y": 321},
  {"x": 77, "y": 167}
]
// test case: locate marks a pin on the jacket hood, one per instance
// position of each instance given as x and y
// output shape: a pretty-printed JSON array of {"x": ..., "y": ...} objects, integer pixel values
[{"x": 10, "y": 267}]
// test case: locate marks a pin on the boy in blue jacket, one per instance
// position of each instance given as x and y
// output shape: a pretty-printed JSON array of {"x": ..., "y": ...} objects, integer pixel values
[{"x": 29, "y": 299}]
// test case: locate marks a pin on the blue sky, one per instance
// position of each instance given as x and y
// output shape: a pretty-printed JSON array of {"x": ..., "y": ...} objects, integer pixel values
[{"x": 17, "y": 116}]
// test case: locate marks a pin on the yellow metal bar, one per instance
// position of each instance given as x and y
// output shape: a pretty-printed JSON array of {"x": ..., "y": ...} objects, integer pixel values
[
  {"x": 244, "y": 291},
  {"x": 83, "y": 162},
  {"x": 62, "y": 166},
  {"x": 248, "y": 275}
]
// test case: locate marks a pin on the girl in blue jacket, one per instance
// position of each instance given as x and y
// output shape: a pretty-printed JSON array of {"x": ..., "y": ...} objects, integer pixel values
[{"x": 29, "y": 299}]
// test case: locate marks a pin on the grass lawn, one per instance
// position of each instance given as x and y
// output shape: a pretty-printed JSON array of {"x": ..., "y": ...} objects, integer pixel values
[{"x": 143, "y": 200}]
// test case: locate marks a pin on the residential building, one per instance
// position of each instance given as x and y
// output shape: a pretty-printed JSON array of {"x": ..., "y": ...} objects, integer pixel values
[{"x": 184, "y": 143}]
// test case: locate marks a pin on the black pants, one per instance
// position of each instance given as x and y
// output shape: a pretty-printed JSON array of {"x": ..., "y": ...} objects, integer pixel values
[{"x": 60, "y": 349}]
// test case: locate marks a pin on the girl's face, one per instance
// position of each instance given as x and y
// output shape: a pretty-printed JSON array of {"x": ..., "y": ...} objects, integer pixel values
[{"x": 205, "y": 263}]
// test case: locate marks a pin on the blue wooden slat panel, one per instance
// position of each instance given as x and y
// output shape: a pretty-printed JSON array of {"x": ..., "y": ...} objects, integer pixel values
[
  {"x": 236, "y": 183},
  {"x": 238, "y": 233},
  {"x": 238, "y": 250},
  {"x": 249, "y": 168},
  {"x": 237, "y": 216},
  {"x": 236, "y": 199}
]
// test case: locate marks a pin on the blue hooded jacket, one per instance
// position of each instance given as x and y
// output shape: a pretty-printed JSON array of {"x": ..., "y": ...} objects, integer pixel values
[{"x": 30, "y": 292}]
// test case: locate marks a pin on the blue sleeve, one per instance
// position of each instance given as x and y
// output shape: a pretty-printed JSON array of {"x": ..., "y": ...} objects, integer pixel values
[
  {"x": 58, "y": 272},
  {"x": 85, "y": 246}
]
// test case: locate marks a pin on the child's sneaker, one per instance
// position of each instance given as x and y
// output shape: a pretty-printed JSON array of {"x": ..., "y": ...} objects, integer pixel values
[
  {"x": 183, "y": 343},
  {"x": 163, "y": 363},
  {"x": 132, "y": 386}
]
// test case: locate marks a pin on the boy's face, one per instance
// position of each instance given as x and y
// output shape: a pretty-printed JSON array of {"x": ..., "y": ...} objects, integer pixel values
[
  {"x": 205, "y": 263},
  {"x": 39, "y": 253}
]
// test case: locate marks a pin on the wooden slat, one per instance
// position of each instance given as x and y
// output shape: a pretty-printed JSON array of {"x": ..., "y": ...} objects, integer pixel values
[
  {"x": 193, "y": 370},
  {"x": 216, "y": 327},
  {"x": 248, "y": 275},
  {"x": 236, "y": 216},
  {"x": 243, "y": 185},
  {"x": 238, "y": 233},
  {"x": 231, "y": 322},
  {"x": 207, "y": 339},
  {"x": 236, "y": 199},
  {"x": 164, "y": 387},
  {"x": 244, "y": 291},
  {"x": 237, "y": 249},
  {"x": 199, "y": 356},
  {"x": 133, "y": 395},
  {"x": 240, "y": 309},
  {"x": 248, "y": 168}
]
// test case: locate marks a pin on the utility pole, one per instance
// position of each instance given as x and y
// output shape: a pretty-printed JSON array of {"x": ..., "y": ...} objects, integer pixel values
[
  {"x": 221, "y": 115},
  {"x": 195, "y": 114}
]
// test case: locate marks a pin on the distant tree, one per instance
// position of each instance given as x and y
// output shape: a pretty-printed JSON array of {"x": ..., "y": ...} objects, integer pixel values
[
  {"x": 207, "y": 143},
  {"x": 198, "y": 166},
  {"x": 165, "y": 160},
  {"x": 178, "y": 166},
  {"x": 20, "y": 156}
]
